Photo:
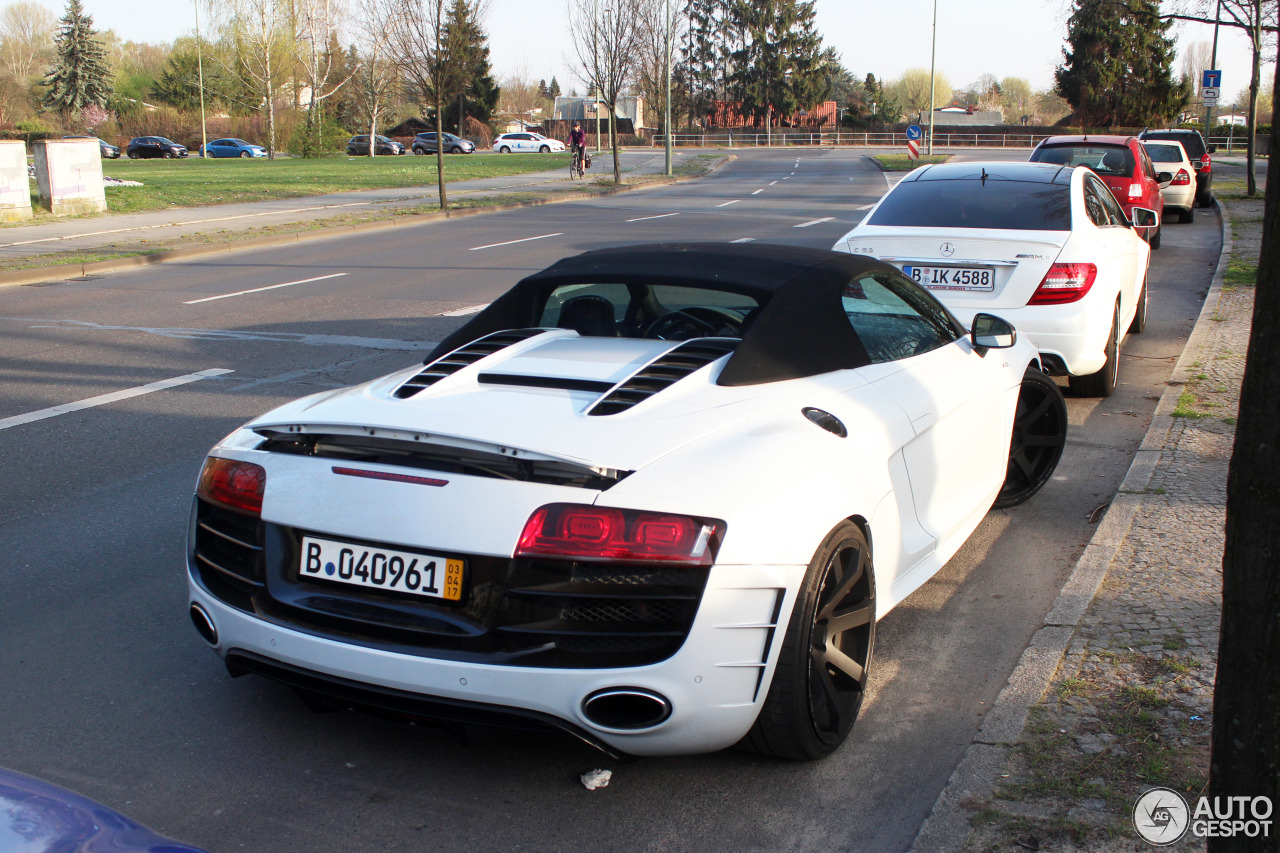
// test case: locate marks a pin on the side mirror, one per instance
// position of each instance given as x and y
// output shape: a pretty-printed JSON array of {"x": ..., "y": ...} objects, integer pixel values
[
  {"x": 991, "y": 332},
  {"x": 1212, "y": 149},
  {"x": 1144, "y": 218},
  {"x": 1164, "y": 179}
]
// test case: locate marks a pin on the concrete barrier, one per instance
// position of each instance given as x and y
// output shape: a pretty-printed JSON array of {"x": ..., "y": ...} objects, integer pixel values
[
  {"x": 69, "y": 176},
  {"x": 15, "y": 186}
]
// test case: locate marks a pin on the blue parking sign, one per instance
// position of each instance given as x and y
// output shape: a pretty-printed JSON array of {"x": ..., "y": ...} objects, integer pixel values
[
  {"x": 914, "y": 132},
  {"x": 1211, "y": 80}
]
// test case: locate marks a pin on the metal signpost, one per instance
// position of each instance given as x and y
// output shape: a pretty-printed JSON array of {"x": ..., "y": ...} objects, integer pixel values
[
  {"x": 1210, "y": 90},
  {"x": 913, "y": 141}
]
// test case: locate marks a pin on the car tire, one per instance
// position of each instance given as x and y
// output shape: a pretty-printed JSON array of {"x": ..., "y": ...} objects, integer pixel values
[
  {"x": 132, "y": 155},
  {"x": 1155, "y": 238},
  {"x": 1207, "y": 201},
  {"x": 1139, "y": 322},
  {"x": 168, "y": 155},
  {"x": 1039, "y": 435},
  {"x": 245, "y": 155},
  {"x": 504, "y": 150},
  {"x": 418, "y": 151},
  {"x": 821, "y": 675},
  {"x": 1102, "y": 383},
  {"x": 1189, "y": 215},
  {"x": 544, "y": 149}
]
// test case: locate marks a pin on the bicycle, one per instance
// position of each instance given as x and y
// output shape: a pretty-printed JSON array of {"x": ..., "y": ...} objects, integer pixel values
[{"x": 576, "y": 169}]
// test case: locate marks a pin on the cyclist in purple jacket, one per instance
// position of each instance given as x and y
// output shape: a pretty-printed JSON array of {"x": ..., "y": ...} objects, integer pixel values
[{"x": 578, "y": 140}]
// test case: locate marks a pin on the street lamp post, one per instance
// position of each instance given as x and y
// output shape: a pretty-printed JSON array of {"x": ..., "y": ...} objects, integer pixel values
[
  {"x": 667, "y": 117},
  {"x": 204, "y": 136},
  {"x": 933, "y": 60}
]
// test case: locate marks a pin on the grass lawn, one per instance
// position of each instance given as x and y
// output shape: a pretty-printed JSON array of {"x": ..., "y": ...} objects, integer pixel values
[
  {"x": 195, "y": 182},
  {"x": 903, "y": 163}
]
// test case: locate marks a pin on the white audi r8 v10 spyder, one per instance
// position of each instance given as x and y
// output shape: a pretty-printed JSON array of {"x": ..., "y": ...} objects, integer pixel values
[
  {"x": 655, "y": 496},
  {"x": 1046, "y": 247}
]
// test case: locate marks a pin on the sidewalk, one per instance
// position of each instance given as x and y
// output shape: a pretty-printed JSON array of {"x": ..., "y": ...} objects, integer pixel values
[
  {"x": 100, "y": 238},
  {"x": 1115, "y": 693}
]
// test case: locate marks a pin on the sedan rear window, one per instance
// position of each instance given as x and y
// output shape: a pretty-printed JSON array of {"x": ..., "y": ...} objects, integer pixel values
[
  {"x": 1111, "y": 160},
  {"x": 1191, "y": 140},
  {"x": 1006, "y": 205}
]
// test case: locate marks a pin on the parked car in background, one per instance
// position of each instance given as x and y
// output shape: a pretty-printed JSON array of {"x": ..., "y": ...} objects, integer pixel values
[
  {"x": 109, "y": 151},
  {"x": 154, "y": 146},
  {"x": 1197, "y": 152},
  {"x": 40, "y": 817},
  {"x": 1180, "y": 195},
  {"x": 632, "y": 499},
  {"x": 1123, "y": 165},
  {"x": 359, "y": 146},
  {"x": 425, "y": 143},
  {"x": 1046, "y": 247},
  {"x": 508, "y": 142},
  {"x": 232, "y": 147}
]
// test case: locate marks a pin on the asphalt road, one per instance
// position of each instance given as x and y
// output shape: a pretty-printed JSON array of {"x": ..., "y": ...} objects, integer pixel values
[{"x": 106, "y": 688}]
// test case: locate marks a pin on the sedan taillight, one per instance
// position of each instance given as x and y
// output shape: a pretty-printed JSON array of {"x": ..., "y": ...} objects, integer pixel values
[
  {"x": 1205, "y": 163},
  {"x": 1135, "y": 190},
  {"x": 592, "y": 533},
  {"x": 1064, "y": 283},
  {"x": 1182, "y": 178},
  {"x": 234, "y": 484}
]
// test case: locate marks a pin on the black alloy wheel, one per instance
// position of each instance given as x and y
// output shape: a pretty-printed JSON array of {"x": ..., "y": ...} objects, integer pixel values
[
  {"x": 1039, "y": 435},
  {"x": 1102, "y": 383},
  {"x": 821, "y": 675}
]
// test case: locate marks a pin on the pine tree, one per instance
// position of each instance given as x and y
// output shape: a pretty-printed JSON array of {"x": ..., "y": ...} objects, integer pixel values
[
  {"x": 476, "y": 94},
  {"x": 779, "y": 67},
  {"x": 79, "y": 76},
  {"x": 1118, "y": 64},
  {"x": 704, "y": 66},
  {"x": 553, "y": 90}
]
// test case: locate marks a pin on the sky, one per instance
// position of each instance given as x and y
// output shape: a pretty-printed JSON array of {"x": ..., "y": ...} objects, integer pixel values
[{"x": 1006, "y": 38}]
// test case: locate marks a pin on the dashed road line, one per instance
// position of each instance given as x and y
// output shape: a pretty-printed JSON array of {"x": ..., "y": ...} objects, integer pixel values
[
  {"x": 260, "y": 289},
  {"x": 814, "y": 222},
  {"x": 758, "y": 191},
  {"x": 462, "y": 312},
  {"x": 659, "y": 216},
  {"x": 743, "y": 240},
  {"x": 727, "y": 203},
  {"x": 513, "y": 242},
  {"x": 864, "y": 207},
  {"x": 771, "y": 183},
  {"x": 103, "y": 399}
]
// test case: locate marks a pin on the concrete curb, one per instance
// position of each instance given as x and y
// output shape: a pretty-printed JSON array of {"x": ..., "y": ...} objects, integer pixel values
[
  {"x": 61, "y": 272},
  {"x": 946, "y": 829}
]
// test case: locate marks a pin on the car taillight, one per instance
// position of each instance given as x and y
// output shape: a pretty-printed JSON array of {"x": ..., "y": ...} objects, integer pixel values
[
  {"x": 1182, "y": 178},
  {"x": 1205, "y": 163},
  {"x": 236, "y": 485},
  {"x": 1064, "y": 283},
  {"x": 592, "y": 533},
  {"x": 1135, "y": 190}
]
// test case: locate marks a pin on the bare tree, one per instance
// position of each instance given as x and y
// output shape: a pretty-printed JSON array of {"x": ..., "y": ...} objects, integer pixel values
[
  {"x": 261, "y": 38},
  {"x": 26, "y": 37},
  {"x": 520, "y": 94},
  {"x": 655, "y": 40},
  {"x": 606, "y": 40},
  {"x": 1258, "y": 19},
  {"x": 435, "y": 67},
  {"x": 374, "y": 79},
  {"x": 316, "y": 21}
]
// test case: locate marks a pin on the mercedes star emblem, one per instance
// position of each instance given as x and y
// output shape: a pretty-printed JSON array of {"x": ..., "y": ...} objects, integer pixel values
[{"x": 947, "y": 250}]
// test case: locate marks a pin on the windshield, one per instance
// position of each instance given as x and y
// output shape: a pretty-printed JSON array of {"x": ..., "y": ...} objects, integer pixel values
[
  {"x": 1163, "y": 153},
  {"x": 1115, "y": 161},
  {"x": 670, "y": 312},
  {"x": 1004, "y": 205}
]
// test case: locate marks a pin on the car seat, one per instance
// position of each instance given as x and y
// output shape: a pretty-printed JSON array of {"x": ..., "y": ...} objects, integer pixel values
[
  {"x": 1113, "y": 163},
  {"x": 589, "y": 315}
]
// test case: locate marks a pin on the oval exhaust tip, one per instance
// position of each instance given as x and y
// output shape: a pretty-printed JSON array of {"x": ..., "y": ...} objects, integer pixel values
[
  {"x": 626, "y": 708},
  {"x": 204, "y": 624}
]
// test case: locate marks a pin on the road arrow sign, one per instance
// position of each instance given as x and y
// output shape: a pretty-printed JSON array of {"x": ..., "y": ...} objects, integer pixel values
[{"x": 914, "y": 132}]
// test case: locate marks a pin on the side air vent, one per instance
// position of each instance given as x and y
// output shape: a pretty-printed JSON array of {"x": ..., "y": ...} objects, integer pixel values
[
  {"x": 666, "y": 370},
  {"x": 463, "y": 356}
]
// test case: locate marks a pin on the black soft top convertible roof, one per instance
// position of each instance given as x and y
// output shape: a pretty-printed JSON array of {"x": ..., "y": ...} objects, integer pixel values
[{"x": 801, "y": 329}]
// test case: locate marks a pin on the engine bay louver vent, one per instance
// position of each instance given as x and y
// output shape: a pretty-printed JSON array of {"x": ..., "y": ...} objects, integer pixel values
[
  {"x": 666, "y": 370},
  {"x": 464, "y": 356}
]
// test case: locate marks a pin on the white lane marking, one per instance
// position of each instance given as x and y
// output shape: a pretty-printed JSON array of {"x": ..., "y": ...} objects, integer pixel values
[
  {"x": 787, "y": 178},
  {"x": 237, "y": 335},
  {"x": 659, "y": 216},
  {"x": 727, "y": 203},
  {"x": 887, "y": 182},
  {"x": 771, "y": 183},
  {"x": 758, "y": 191},
  {"x": 462, "y": 312},
  {"x": 103, "y": 399},
  {"x": 743, "y": 240},
  {"x": 269, "y": 287},
  {"x": 814, "y": 222},
  {"x": 513, "y": 242},
  {"x": 864, "y": 207}
]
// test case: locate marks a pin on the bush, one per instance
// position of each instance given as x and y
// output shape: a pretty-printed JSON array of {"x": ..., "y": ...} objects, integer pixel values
[
  {"x": 321, "y": 142},
  {"x": 33, "y": 128}
]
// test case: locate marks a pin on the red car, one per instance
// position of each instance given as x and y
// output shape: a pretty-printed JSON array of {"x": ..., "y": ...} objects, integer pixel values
[{"x": 1123, "y": 165}]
